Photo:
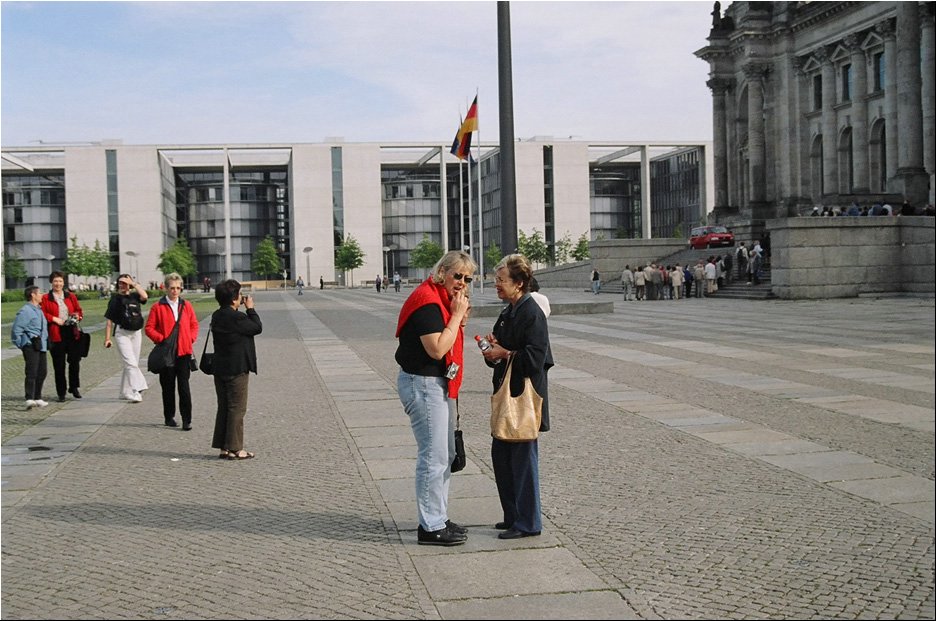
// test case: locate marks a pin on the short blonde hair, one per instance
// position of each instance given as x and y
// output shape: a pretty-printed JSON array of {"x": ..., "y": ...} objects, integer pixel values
[
  {"x": 452, "y": 261},
  {"x": 173, "y": 277},
  {"x": 518, "y": 268}
]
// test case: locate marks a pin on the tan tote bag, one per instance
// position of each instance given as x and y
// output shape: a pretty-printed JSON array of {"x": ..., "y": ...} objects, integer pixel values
[{"x": 516, "y": 419}]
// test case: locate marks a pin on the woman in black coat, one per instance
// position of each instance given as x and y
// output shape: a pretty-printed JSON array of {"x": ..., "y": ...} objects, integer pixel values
[
  {"x": 520, "y": 333},
  {"x": 235, "y": 358}
]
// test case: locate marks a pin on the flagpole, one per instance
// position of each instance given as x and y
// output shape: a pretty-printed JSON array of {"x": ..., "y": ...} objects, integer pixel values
[
  {"x": 461, "y": 209},
  {"x": 470, "y": 226},
  {"x": 480, "y": 208}
]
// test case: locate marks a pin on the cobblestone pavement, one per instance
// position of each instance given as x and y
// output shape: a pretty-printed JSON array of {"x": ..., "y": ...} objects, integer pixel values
[{"x": 708, "y": 459}]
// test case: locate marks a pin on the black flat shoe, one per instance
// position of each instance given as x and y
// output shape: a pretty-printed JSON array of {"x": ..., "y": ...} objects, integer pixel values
[
  {"x": 186, "y": 426},
  {"x": 61, "y": 399},
  {"x": 75, "y": 393},
  {"x": 456, "y": 528},
  {"x": 171, "y": 423},
  {"x": 441, "y": 537},
  {"x": 502, "y": 526},
  {"x": 513, "y": 533}
]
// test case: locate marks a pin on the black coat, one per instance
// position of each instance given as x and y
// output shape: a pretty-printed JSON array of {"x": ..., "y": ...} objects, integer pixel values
[
  {"x": 233, "y": 335},
  {"x": 522, "y": 329}
]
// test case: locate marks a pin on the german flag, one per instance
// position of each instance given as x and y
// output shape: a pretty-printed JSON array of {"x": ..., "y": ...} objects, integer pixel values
[{"x": 461, "y": 147}]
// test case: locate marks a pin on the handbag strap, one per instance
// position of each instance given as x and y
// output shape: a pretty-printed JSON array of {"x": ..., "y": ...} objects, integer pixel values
[
  {"x": 207, "y": 338},
  {"x": 507, "y": 369}
]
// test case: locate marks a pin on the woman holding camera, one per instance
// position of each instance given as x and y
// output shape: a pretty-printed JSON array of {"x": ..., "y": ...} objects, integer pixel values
[
  {"x": 63, "y": 312},
  {"x": 172, "y": 309},
  {"x": 125, "y": 319},
  {"x": 30, "y": 335},
  {"x": 234, "y": 360},
  {"x": 430, "y": 355}
]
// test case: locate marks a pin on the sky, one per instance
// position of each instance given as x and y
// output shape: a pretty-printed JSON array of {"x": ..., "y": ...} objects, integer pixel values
[{"x": 261, "y": 72}]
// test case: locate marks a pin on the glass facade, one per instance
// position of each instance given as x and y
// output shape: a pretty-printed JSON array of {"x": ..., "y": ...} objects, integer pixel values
[
  {"x": 259, "y": 207},
  {"x": 34, "y": 221},
  {"x": 675, "y": 194},
  {"x": 113, "y": 210},
  {"x": 412, "y": 207},
  {"x": 615, "y": 201}
]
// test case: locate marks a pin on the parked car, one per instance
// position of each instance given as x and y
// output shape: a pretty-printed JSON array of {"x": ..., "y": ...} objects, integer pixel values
[{"x": 710, "y": 236}]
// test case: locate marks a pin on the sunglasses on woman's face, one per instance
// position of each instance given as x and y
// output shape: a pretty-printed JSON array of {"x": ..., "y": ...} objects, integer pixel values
[{"x": 467, "y": 279}]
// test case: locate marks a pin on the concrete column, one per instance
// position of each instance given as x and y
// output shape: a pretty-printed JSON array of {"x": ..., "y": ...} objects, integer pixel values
[
  {"x": 720, "y": 88},
  {"x": 829, "y": 135},
  {"x": 645, "y": 192},
  {"x": 928, "y": 50},
  {"x": 859, "y": 116},
  {"x": 912, "y": 178},
  {"x": 887, "y": 32},
  {"x": 755, "y": 74},
  {"x": 800, "y": 127},
  {"x": 228, "y": 261}
]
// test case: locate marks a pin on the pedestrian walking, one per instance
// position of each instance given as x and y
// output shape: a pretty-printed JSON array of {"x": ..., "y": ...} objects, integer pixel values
[
  {"x": 300, "y": 284},
  {"x": 63, "y": 313},
  {"x": 124, "y": 317},
  {"x": 30, "y": 334},
  {"x": 595, "y": 281}
]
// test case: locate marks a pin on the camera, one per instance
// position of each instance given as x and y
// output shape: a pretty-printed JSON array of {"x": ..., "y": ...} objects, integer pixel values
[
  {"x": 452, "y": 371},
  {"x": 71, "y": 321}
]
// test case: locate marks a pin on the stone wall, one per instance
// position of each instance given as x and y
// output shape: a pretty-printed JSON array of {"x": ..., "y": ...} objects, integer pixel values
[{"x": 817, "y": 258}]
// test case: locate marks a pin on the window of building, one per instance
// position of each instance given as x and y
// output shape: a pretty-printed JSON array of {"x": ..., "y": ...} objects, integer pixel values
[
  {"x": 846, "y": 82},
  {"x": 817, "y": 92},
  {"x": 878, "y": 70}
]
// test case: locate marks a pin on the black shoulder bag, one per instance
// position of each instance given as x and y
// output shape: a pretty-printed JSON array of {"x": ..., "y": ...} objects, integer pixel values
[{"x": 163, "y": 355}]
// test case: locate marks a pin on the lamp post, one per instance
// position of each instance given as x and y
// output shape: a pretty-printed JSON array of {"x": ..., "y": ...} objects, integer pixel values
[
  {"x": 386, "y": 254},
  {"x": 307, "y": 250},
  {"x": 134, "y": 265}
]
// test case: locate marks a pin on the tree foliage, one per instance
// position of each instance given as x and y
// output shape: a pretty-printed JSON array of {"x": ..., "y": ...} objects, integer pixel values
[
  {"x": 99, "y": 261},
  {"x": 13, "y": 267},
  {"x": 84, "y": 261},
  {"x": 266, "y": 260},
  {"x": 533, "y": 247},
  {"x": 426, "y": 253},
  {"x": 178, "y": 258},
  {"x": 493, "y": 255},
  {"x": 581, "y": 250},
  {"x": 563, "y": 249},
  {"x": 349, "y": 256}
]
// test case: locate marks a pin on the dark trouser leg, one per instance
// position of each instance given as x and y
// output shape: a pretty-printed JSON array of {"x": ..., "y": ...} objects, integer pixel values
[
  {"x": 167, "y": 380},
  {"x": 183, "y": 373},
  {"x": 232, "y": 407},
  {"x": 74, "y": 366},
  {"x": 58, "y": 352},
  {"x": 35, "y": 373},
  {"x": 516, "y": 472}
]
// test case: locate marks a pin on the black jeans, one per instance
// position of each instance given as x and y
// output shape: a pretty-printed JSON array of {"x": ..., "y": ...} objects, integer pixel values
[
  {"x": 232, "y": 407},
  {"x": 65, "y": 352},
  {"x": 36, "y": 371},
  {"x": 168, "y": 378}
]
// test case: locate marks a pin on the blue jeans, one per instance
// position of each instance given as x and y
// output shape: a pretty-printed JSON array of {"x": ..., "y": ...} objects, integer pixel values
[{"x": 432, "y": 417}]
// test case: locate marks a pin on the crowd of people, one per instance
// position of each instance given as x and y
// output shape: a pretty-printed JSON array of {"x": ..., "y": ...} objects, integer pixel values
[
  {"x": 50, "y": 323},
  {"x": 878, "y": 208}
]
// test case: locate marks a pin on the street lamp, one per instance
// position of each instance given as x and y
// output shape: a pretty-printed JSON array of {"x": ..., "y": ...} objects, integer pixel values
[
  {"x": 386, "y": 251},
  {"x": 134, "y": 264},
  {"x": 307, "y": 250}
]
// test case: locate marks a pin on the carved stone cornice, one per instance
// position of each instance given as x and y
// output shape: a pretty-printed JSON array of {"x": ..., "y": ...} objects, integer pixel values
[
  {"x": 720, "y": 86},
  {"x": 798, "y": 62},
  {"x": 887, "y": 29},
  {"x": 927, "y": 14},
  {"x": 823, "y": 54},
  {"x": 756, "y": 71}
]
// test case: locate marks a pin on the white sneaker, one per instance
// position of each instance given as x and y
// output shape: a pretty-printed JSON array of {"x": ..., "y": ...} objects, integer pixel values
[
  {"x": 136, "y": 398},
  {"x": 41, "y": 403},
  {"x": 30, "y": 404}
]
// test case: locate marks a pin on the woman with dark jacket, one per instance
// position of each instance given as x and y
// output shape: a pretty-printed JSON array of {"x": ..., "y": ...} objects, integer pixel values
[
  {"x": 170, "y": 309},
  {"x": 235, "y": 358},
  {"x": 63, "y": 312},
  {"x": 520, "y": 333}
]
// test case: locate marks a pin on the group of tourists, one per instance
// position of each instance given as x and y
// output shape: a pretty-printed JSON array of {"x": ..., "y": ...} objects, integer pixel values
[{"x": 50, "y": 323}]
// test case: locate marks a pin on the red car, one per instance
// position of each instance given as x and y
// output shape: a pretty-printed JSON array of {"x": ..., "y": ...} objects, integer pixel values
[{"x": 710, "y": 236}]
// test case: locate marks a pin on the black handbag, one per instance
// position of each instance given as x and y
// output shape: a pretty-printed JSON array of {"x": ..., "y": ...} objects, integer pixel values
[
  {"x": 206, "y": 365},
  {"x": 163, "y": 355},
  {"x": 460, "y": 460}
]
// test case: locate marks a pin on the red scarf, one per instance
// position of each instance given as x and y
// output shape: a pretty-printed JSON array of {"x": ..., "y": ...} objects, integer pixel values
[{"x": 431, "y": 293}]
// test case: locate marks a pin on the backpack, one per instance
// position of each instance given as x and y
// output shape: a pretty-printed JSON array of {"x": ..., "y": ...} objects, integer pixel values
[
  {"x": 740, "y": 254},
  {"x": 132, "y": 315}
]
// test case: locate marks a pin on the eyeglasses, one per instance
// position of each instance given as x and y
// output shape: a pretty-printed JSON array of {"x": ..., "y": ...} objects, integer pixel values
[{"x": 467, "y": 279}]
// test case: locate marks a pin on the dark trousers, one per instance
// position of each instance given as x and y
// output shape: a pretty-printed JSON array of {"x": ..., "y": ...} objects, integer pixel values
[
  {"x": 232, "y": 407},
  {"x": 516, "y": 473},
  {"x": 65, "y": 352},
  {"x": 36, "y": 371},
  {"x": 168, "y": 379}
]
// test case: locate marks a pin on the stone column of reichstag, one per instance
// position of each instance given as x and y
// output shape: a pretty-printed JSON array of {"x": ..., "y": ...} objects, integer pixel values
[
  {"x": 755, "y": 74},
  {"x": 912, "y": 178},
  {"x": 886, "y": 30},
  {"x": 928, "y": 39},
  {"x": 859, "y": 121},
  {"x": 829, "y": 138},
  {"x": 720, "y": 88}
]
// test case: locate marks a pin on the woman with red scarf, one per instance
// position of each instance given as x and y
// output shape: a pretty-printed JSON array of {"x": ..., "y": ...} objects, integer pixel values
[{"x": 430, "y": 355}]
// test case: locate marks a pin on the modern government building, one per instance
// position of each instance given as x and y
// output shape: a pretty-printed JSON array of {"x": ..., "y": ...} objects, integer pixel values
[{"x": 813, "y": 103}]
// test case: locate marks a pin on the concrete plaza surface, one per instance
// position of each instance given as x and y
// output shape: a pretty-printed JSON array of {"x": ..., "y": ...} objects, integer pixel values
[{"x": 708, "y": 459}]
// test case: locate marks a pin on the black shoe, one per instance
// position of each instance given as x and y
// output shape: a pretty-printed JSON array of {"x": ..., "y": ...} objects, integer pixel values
[
  {"x": 441, "y": 537},
  {"x": 170, "y": 422},
  {"x": 61, "y": 398},
  {"x": 186, "y": 426},
  {"x": 502, "y": 526},
  {"x": 75, "y": 393},
  {"x": 455, "y": 528},
  {"x": 513, "y": 533}
]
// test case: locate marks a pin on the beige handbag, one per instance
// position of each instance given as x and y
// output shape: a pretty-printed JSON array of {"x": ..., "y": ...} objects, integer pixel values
[{"x": 515, "y": 419}]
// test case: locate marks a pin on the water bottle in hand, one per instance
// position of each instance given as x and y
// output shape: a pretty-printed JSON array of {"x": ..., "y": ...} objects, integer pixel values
[{"x": 484, "y": 345}]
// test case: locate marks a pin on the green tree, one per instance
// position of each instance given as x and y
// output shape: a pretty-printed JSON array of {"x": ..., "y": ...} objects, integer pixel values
[
  {"x": 533, "y": 247},
  {"x": 426, "y": 253},
  {"x": 581, "y": 250},
  {"x": 493, "y": 255},
  {"x": 349, "y": 256},
  {"x": 177, "y": 258},
  {"x": 99, "y": 261},
  {"x": 266, "y": 260},
  {"x": 13, "y": 267},
  {"x": 563, "y": 249},
  {"x": 77, "y": 260}
]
